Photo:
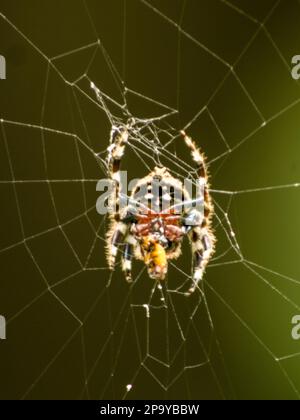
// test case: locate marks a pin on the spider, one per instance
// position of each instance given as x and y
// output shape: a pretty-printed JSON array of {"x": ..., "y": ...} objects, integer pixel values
[{"x": 150, "y": 234}]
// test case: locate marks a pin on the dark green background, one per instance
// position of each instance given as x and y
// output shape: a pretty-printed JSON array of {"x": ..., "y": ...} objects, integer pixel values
[{"x": 48, "y": 353}]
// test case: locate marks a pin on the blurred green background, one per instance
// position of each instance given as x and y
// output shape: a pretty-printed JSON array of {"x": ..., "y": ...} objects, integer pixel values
[{"x": 75, "y": 331}]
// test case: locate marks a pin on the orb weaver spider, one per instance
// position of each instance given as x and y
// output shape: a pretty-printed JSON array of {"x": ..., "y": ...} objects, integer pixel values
[{"x": 154, "y": 236}]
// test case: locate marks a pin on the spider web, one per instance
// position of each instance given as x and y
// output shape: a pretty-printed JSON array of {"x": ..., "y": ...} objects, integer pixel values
[{"x": 74, "y": 329}]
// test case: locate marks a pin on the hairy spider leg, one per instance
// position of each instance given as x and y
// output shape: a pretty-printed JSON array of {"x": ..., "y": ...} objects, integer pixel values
[
  {"x": 118, "y": 229},
  {"x": 202, "y": 237}
]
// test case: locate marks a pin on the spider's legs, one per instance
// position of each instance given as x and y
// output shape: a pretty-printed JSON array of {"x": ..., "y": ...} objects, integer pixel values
[
  {"x": 119, "y": 138},
  {"x": 115, "y": 238},
  {"x": 118, "y": 229},
  {"x": 203, "y": 248},
  {"x": 197, "y": 156},
  {"x": 202, "y": 237},
  {"x": 204, "y": 197},
  {"x": 127, "y": 259}
]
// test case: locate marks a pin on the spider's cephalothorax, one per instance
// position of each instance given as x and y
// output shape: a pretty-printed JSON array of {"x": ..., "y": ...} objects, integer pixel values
[{"x": 152, "y": 231}]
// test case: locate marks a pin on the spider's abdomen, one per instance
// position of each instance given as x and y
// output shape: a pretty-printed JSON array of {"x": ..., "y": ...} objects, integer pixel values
[{"x": 164, "y": 226}]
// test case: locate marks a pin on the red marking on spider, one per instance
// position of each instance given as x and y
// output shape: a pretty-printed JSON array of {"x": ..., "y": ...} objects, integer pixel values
[{"x": 165, "y": 223}]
